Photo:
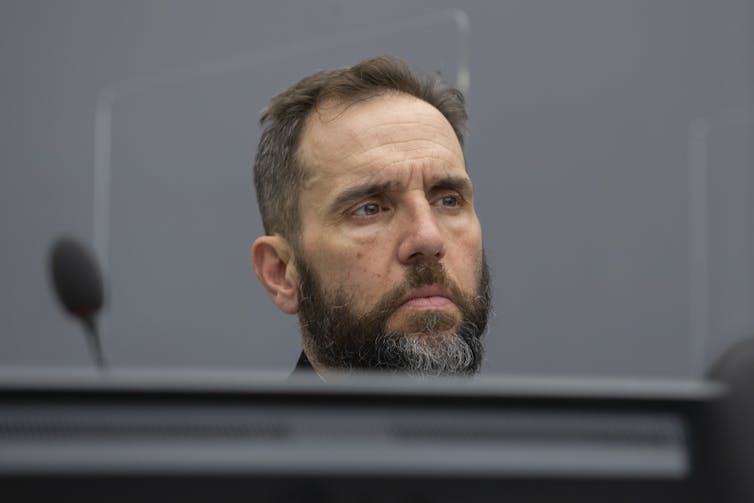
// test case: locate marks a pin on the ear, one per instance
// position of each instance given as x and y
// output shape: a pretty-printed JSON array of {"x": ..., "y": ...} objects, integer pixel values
[{"x": 274, "y": 266}]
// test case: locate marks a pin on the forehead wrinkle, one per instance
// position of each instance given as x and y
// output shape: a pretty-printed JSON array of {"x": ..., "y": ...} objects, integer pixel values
[
  {"x": 400, "y": 134},
  {"x": 397, "y": 150},
  {"x": 428, "y": 163},
  {"x": 375, "y": 166},
  {"x": 348, "y": 129},
  {"x": 404, "y": 178},
  {"x": 350, "y": 142},
  {"x": 369, "y": 147}
]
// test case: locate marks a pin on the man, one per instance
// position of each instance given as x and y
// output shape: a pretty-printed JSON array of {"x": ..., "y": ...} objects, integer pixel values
[{"x": 371, "y": 233}]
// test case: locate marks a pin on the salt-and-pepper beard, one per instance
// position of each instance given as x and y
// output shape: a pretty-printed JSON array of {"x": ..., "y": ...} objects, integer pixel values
[{"x": 432, "y": 343}]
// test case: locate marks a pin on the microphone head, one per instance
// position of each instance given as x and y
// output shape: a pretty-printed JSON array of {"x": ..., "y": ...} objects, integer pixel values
[{"x": 76, "y": 278}]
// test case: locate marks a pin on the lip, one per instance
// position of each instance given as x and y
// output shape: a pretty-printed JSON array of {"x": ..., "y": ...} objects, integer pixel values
[{"x": 427, "y": 297}]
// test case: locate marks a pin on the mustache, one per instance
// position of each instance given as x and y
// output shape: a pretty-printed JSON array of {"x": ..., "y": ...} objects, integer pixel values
[
  {"x": 423, "y": 272},
  {"x": 427, "y": 272}
]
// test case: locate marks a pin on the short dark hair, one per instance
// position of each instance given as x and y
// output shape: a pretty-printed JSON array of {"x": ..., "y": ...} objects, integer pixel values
[{"x": 278, "y": 171}]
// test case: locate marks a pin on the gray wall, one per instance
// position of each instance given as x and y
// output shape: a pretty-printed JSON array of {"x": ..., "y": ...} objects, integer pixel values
[{"x": 611, "y": 149}]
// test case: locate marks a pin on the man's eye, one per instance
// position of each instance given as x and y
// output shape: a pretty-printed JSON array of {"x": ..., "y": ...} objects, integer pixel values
[
  {"x": 450, "y": 201},
  {"x": 367, "y": 210}
]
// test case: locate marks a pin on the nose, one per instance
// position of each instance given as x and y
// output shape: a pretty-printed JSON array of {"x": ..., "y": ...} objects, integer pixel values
[{"x": 421, "y": 236}]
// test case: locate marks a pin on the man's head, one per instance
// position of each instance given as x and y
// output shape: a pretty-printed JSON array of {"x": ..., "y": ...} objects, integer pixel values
[{"x": 371, "y": 234}]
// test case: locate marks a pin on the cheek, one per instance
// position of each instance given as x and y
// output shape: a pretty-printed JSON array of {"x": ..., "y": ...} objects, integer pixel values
[
  {"x": 348, "y": 263},
  {"x": 466, "y": 256},
  {"x": 366, "y": 263}
]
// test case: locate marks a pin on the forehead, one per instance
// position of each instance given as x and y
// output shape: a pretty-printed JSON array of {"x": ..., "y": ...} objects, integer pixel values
[{"x": 386, "y": 134}]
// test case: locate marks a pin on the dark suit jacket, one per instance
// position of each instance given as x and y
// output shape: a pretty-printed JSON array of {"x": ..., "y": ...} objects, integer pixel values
[{"x": 303, "y": 366}]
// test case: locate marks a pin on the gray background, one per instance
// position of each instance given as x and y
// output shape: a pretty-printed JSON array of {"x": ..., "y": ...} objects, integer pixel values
[{"x": 611, "y": 150}]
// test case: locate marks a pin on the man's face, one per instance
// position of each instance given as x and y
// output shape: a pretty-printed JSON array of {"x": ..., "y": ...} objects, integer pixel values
[{"x": 390, "y": 242}]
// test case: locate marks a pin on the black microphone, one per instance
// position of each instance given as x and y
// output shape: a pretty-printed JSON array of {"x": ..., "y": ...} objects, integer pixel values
[{"x": 78, "y": 284}]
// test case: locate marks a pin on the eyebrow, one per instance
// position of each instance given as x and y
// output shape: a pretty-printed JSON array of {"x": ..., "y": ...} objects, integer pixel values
[
  {"x": 359, "y": 192},
  {"x": 458, "y": 183},
  {"x": 366, "y": 190}
]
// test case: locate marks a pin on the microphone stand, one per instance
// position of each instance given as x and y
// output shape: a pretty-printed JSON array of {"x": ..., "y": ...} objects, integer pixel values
[{"x": 93, "y": 341}]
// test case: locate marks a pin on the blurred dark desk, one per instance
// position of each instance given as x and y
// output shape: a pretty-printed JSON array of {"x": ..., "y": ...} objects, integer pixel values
[{"x": 202, "y": 436}]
